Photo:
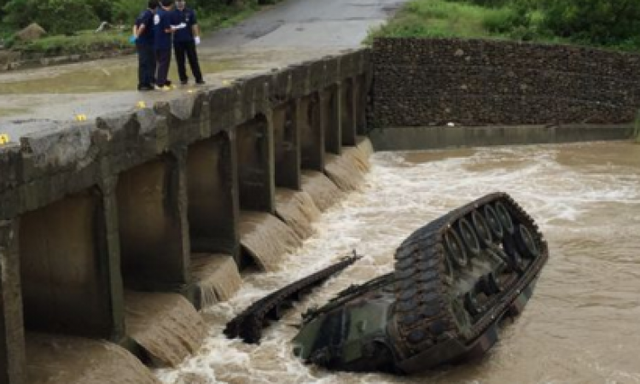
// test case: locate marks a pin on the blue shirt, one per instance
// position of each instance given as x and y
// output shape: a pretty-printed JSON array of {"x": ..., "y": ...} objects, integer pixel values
[
  {"x": 162, "y": 22},
  {"x": 145, "y": 18},
  {"x": 187, "y": 16}
]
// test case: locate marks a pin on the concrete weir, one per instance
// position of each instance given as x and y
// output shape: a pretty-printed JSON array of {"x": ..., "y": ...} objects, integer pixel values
[{"x": 113, "y": 233}]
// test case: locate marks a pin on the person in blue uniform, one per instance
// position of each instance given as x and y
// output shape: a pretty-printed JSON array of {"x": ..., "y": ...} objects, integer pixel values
[
  {"x": 185, "y": 41},
  {"x": 163, "y": 32},
  {"x": 144, "y": 39}
]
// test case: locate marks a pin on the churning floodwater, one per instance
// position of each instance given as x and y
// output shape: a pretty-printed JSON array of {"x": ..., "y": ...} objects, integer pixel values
[{"x": 583, "y": 322}]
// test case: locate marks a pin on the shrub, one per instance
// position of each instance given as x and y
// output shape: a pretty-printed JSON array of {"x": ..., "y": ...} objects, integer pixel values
[
  {"x": 55, "y": 16},
  {"x": 601, "y": 22}
]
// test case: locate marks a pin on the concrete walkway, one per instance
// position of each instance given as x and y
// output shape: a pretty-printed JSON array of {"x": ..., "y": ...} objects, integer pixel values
[{"x": 291, "y": 32}]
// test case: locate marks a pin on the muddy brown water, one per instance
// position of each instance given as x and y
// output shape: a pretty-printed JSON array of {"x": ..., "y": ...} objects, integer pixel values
[
  {"x": 99, "y": 76},
  {"x": 583, "y": 322}
]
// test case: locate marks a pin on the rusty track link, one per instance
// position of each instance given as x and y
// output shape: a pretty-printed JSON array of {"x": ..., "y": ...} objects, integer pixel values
[
  {"x": 424, "y": 314},
  {"x": 248, "y": 325}
]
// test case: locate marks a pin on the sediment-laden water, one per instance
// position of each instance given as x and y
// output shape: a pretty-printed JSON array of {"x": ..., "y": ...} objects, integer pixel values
[
  {"x": 217, "y": 277},
  {"x": 266, "y": 238},
  {"x": 581, "y": 325},
  {"x": 348, "y": 170},
  {"x": 166, "y": 325},
  {"x": 55, "y": 359},
  {"x": 297, "y": 210},
  {"x": 321, "y": 189}
]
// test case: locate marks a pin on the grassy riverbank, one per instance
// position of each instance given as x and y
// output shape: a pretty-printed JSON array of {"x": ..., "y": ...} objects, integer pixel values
[
  {"x": 88, "y": 41},
  {"x": 522, "y": 20}
]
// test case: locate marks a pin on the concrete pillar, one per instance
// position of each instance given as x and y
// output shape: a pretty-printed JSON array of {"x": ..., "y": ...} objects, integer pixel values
[
  {"x": 331, "y": 121},
  {"x": 312, "y": 145},
  {"x": 256, "y": 168},
  {"x": 361, "y": 92},
  {"x": 286, "y": 140},
  {"x": 112, "y": 263},
  {"x": 12, "y": 345},
  {"x": 66, "y": 269},
  {"x": 152, "y": 212},
  {"x": 212, "y": 188},
  {"x": 348, "y": 112}
]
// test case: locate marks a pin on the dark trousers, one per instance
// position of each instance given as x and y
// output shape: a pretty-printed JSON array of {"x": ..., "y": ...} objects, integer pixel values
[
  {"x": 163, "y": 56},
  {"x": 146, "y": 65},
  {"x": 187, "y": 49}
]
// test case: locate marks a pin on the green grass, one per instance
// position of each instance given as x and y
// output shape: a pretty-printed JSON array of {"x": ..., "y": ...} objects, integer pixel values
[
  {"x": 88, "y": 41},
  {"x": 85, "y": 41},
  {"x": 457, "y": 18},
  {"x": 437, "y": 18},
  {"x": 225, "y": 17},
  {"x": 636, "y": 131}
]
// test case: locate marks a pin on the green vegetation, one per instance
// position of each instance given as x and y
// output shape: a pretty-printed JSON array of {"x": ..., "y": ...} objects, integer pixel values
[
  {"x": 636, "y": 130},
  {"x": 71, "y": 23},
  {"x": 83, "y": 41},
  {"x": 606, "y": 23}
]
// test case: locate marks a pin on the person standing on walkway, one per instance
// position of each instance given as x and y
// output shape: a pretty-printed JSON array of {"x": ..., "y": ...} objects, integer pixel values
[
  {"x": 144, "y": 39},
  {"x": 185, "y": 41},
  {"x": 163, "y": 32}
]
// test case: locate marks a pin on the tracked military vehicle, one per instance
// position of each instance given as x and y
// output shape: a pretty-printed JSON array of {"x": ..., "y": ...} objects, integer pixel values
[{"x": 455, "y": 280}]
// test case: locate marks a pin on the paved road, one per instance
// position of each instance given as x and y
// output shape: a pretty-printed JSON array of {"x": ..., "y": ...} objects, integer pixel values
[
  {"x": 309, "y": 23},
  {"x": 290, "y": 32}
]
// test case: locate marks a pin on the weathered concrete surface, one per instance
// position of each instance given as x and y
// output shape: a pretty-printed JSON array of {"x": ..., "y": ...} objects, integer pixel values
[
  {"x": 308, "y": 23},
  {"x": 421, "y": 138},
  {"x": 12, "y": 344}
]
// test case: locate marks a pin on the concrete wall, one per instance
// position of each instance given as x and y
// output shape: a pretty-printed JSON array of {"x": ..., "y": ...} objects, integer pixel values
[
  {"x": 124, "y": 201},
  {"x": 431, "y": 82}
]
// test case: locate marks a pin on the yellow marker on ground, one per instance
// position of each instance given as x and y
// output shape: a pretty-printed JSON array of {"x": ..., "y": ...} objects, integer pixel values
[
  {"x": 4, "y": 139},
  {"x": 81, "y": 117},
  {"x": 226, "y": 82},
  {"x": 141, "y": 105}
]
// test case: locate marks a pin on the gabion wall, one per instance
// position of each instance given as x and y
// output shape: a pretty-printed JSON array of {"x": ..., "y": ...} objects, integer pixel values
[{"x": 426, "y": 82}]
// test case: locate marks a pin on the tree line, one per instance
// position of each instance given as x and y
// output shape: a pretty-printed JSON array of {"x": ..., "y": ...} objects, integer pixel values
[
  {"x": 593, "y": 22},
  {"x": 69, "y": 16}
]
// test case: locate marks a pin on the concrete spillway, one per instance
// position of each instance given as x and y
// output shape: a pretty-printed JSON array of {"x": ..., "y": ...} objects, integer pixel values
[{"x": 120, "y": 229}]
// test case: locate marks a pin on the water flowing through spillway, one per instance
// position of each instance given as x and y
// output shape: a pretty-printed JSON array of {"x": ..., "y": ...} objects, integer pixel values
[
  {"x": 297, "y": 210},
  {"x": 166, "y": 325},
  {"x": 266, "y": 238},
  {"x": 581, "y": 325},
  {"x": 71, "y": 360},
  {"x": 348, "y": 169},
  {"x": 217, "y": 277},
  {"x": 321, "y": 189}
]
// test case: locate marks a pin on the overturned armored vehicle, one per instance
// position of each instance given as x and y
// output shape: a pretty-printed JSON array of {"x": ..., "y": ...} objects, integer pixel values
[{"x": 455, "y": 280}]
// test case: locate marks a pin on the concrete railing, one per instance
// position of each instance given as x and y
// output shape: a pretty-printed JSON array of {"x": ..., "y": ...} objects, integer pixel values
[{"x": 91, "y": 208}]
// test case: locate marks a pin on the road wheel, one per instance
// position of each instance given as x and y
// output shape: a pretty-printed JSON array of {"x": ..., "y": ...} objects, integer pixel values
[
  {"x": 505, "y": 218},
  {"x": 526, "y": 243},
  {"x": 493, "y": 221},
  {"x": 469, "y": 237},
  {"x": 454, "y": 249},
  {"x": 482, "y": 228}
]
